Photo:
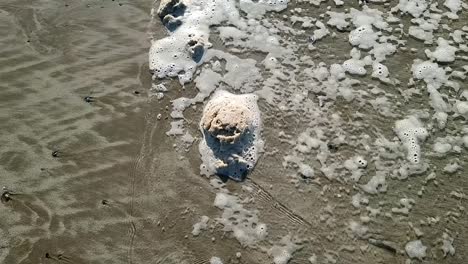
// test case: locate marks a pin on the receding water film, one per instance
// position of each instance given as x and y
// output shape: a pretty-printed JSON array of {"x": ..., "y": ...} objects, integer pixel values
[{"x": 234, "y": 131}]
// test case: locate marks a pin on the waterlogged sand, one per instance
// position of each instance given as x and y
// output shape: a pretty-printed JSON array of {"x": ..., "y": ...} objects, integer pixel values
[{"x": 117, "y": 191}]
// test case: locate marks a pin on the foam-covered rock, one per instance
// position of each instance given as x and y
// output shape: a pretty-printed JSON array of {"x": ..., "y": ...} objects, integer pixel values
[
  {"x": 259, "y": 7},
  {"x": 231, "y": 127},
  {"x": 188, "y": 23},
  {"x": 169, "y": 12}
]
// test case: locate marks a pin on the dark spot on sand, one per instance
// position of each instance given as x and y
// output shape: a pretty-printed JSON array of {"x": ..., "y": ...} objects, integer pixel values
[
  {"x": 6, "y": 197},
  {"x": 55, "y": 153},
  {"x": 136, "y": 92},
  {"x": 47, "y": 255},
  {"x": 89, "y": 99},
  {"x": 105, "y": 202}
]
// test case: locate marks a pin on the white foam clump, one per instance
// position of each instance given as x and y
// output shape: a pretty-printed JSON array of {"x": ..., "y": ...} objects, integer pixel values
[
  {"x": 443, "y": 53},
  {"x": 216, "y": 260},
  {"x": 447, "y": 245},
  {"x": 282, "y": 253},
  {"x": 243, "y": 223},
  {"x": 382, "y": 50},
  {"x": 421, "y": 34},
  {"x": 441, "y": 118},
  {"x": 202, "y": 225},
  {"x": 434, "y": 76},
  {"x": 259, "y": 7},
  {"x": 380, "y": 72},
  {"x": 231, "y": 127},
  {"x": 411, "y": 132},
  {"x": 355, "y": 166},
  {"x": 376, "y": 184},
  {"x": 305, "y": 143},
  {"x": 414, "y": 7},
  {"x": 405, "y": 206},
  {"x": 358, "y": 229},
  {"x": 363, "y": 37},
  {"x": 338, "y": 20},
  {"x": 368, "y": 16},
  {"x": 189, "y": 23},
  {"x": 321, "y": 30},
  {"x": 416, "y": 249},
  {"x": 356, "y": 65},
  {"x": 430, "y": 72},
  {"x": 306, "y": 171},
  {"x": 442, "y": 147},
  {"x": 359, "y": 199},
  {"x": 454, "y": 6}
]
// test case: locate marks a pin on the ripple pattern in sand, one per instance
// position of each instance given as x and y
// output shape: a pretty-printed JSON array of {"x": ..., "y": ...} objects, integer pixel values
[{"x": 64, "y": 159}]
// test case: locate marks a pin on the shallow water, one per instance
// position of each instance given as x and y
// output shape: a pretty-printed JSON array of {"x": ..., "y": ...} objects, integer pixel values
[{"x": 93, "y": 178}]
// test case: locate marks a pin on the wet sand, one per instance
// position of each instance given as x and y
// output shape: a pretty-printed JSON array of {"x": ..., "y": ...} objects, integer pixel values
[{"x": 93, "y": 177}]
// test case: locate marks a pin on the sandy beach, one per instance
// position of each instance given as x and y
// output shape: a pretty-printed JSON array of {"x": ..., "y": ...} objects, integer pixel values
[{"x": 91, "y": 176}]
